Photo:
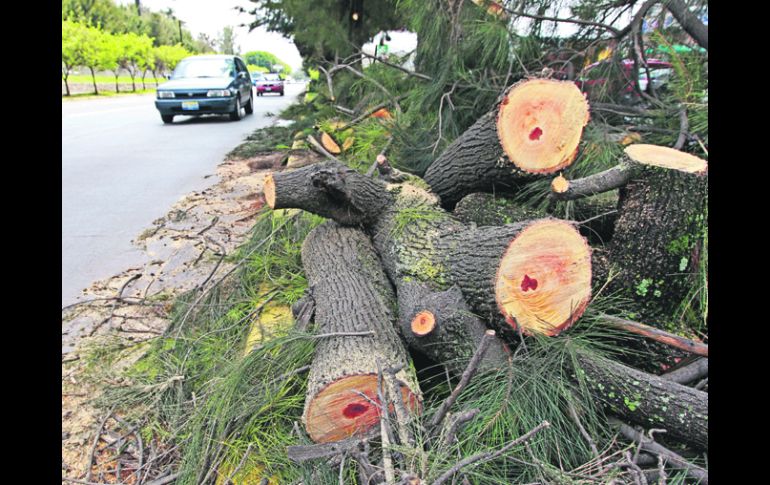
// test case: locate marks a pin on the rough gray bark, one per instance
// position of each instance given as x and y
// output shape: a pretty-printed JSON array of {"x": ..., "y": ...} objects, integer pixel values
[
  {"x": 474, "y": 162},
  {"x": 491, "y": 210},
  {"x": 457, "y": 334},
  {"x": 352, "y": 295},
  {"x": 648, "y": 400},
  {"x": 330, "y": 190},
  {"x": 658, "y": 240}
]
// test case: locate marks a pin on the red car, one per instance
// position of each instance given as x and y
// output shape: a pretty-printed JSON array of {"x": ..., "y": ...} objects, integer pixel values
[
  {"x": 614, "y": 78},
  {"x": 269, "y": 83}
]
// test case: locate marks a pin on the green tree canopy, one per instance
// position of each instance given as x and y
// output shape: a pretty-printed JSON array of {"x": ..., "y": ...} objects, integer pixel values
[
  {"x": 326, "y": 27},
  {"x": 265, "y": 60}
]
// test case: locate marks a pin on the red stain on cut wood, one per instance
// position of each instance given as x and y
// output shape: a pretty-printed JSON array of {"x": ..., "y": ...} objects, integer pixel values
[
  {"x": 536, "y": 133},
  {"x": 353, "y": 410},
  {"x": 528, "y": 283}
]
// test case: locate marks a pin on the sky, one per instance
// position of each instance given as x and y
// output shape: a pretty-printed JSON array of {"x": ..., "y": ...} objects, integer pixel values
[{"x": 211, "y": 16}]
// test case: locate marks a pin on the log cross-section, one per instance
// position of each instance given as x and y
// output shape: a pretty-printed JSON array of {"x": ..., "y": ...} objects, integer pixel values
[
  {"x": 355, "y": 308},
  {"x": 534, "y": 130}
]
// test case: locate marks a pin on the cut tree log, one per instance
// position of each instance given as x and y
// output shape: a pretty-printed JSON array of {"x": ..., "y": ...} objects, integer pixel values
[
  {"x": 440, "y": 325},
  {"x": 534, "y": 275},
  {"x": 660, "y": 226},
  {"x": 329, "y": 144},
  {"x": 355, "y": 310},
  {"x": 648, "y": 400},
  {"x": 596, "y": 214},
  {"x": 492, "y": 210},
  {"x": 534, "y": 130}
]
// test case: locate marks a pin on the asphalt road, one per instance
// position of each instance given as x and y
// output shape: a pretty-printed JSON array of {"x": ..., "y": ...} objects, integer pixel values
[{"x": 122, "y": 168}]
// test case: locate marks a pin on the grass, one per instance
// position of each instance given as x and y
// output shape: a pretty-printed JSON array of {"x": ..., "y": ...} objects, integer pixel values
[{"x": 87, "y": 79}]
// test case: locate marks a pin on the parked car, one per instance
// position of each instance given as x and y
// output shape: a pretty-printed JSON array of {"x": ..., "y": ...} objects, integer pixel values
[
  {"x": 612, "y": 78},
  {"x": 213, "y": 84},
  {"x": 270, "y": 83}
]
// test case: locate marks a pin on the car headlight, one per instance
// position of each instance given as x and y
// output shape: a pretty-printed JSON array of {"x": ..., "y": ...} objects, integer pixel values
[
  {"x": 165, "y": 94},
  {"x": 219, "y": 93}
]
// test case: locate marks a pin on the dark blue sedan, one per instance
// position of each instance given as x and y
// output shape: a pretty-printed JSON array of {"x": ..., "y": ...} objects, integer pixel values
[{"x": 216, "y": 84}]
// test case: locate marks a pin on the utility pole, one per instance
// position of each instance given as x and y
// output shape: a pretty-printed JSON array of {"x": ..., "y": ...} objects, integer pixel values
[{"x": 180, "y": 30}]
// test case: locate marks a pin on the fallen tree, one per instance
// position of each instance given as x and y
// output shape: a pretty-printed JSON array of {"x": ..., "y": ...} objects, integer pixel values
[
  {"x": 354, "y": 318},
  {"x": 534, "y": 130},
  {"x": 533, "y": 276},
  {"x": 660, "y": 226}
]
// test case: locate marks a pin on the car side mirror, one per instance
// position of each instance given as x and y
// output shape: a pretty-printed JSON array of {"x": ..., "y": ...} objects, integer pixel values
[{"x": 242, "y": 75}]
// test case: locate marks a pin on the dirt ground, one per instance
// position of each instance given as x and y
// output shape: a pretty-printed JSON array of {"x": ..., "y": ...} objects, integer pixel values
[{"x": 187, "y": 249}]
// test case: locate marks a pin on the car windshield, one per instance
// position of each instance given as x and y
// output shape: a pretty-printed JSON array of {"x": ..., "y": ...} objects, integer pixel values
[
  {"x": 272, "y": 77},
  {"x": 204, "y": 68}
]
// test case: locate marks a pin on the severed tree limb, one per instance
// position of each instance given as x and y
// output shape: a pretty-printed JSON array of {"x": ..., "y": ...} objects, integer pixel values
[
  {"x": 451, "y": 434},
  {"x": 487, "y": 456},
  {"x": 666, "y": 338},
  {"x": 689, "y": 22},
  {"x": 598, "y": 183},
  {"x": 648, "y": 400},
  {"x": 651, "y": 446}
]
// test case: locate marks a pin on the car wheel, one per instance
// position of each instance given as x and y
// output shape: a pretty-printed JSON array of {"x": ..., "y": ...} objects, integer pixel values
[
  {"x": 250, "y": 105},
  {"x": 281, "y": 93},
  {"x": 235, "y": 115},
  {"x": 167, "y": 118}
]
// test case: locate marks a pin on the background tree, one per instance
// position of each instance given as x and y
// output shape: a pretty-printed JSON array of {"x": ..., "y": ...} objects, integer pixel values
[
  {"x": 265, "y": 60},
  {"x": 73, "y": 49},
  {"x": 226, "y": 41},
  {"x": 135, "y": 52},
  {"x": 93, "y": 59}
]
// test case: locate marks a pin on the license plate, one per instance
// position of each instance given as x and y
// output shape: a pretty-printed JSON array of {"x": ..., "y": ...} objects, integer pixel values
[
  {"x": 190, "y": 105},
  {"x": 269, "y": 88}
]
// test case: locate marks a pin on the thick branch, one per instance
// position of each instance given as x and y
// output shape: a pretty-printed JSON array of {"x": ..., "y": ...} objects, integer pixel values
[
  {"x": 658, "y": 335},
  {"x": 689, "y": 22}
]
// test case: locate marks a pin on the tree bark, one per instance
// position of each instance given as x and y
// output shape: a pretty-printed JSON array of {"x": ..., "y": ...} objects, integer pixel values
[
  {"x": 352, "y": 296},
  {"x": 456, "y": 332},
  {"x": 648, "y": 400},
  {"x": 534, "y": 274},
  {"x": 658, "y": 240},
  {"x": 491, "y": 210},
  {"x": 660, "y": 227},
  {"x": 535, "y": 129}
]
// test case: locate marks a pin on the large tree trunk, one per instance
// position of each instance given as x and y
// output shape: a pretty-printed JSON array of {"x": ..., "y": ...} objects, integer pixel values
[
  {"x": 648, "y": 400},
  {"x": 660, "y": 226},
  {"x": 596, "y": 215},
  {"x": 533, "y": 275},
  {"x": 352, "y": 295},
  {"x": 534, "y": 130}
]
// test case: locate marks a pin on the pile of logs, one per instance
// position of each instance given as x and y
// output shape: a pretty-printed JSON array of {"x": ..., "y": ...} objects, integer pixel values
[{"x": 395, "y": 271}]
